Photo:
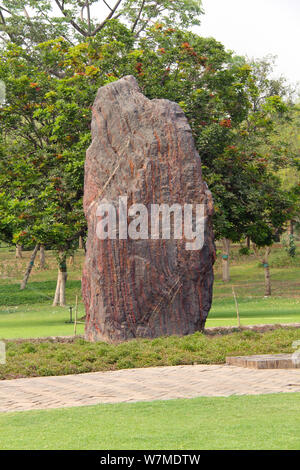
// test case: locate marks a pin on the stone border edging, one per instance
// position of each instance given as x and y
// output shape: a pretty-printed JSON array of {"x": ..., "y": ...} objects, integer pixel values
[{"x": 261, "y": 328}]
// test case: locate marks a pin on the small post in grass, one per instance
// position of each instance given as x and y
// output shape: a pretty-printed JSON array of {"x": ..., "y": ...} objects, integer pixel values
[
  {"x": 71, "y": 319},
  {"x": 237, "y": 307},
  {"x": 76, "y": 310}
]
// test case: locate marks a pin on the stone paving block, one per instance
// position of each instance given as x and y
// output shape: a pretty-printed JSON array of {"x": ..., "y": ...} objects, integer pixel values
[
  {"x": 128, "y": 386},
  {"x": 264, "y": 361}
]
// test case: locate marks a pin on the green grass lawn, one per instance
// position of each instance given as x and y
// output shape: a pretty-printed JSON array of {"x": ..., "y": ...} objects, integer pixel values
[
  {"x": 29, "y": 313},
  {"x": 237, "y": 422},
  {"x": 254, "y": 311},
  {"x": 37, "y": 320}
]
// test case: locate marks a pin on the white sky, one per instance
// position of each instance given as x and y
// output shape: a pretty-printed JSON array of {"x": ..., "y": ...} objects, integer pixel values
[{"x": 257, "y": 28}]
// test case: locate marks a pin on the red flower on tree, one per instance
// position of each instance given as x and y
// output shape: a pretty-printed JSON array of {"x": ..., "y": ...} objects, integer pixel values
[{"x": 225, "y": 123}]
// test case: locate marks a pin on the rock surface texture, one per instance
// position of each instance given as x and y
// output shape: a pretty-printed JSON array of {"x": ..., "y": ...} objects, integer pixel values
[{"x": 143, "y": 149}]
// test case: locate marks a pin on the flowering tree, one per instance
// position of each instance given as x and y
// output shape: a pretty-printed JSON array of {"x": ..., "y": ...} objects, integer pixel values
[{"x": 30, "y": 22}]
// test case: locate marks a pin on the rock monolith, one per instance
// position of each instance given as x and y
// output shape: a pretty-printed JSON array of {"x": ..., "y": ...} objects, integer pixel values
[{"x": 143, "y": 150}]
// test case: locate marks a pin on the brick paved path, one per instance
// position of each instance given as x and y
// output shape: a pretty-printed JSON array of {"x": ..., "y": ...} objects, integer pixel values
[{"x": 155, "y": 383}]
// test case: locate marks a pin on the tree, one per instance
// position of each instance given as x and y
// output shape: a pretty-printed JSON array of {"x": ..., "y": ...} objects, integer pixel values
[
  {"x": 30, "y": 22},
  {"x": 264, "y": 132},
  {"x": 286, "y": 144},
  {"x": 274, "y": 207},
  {"x": 255, "y": 154},
  {"x": 46, "y": 134}
]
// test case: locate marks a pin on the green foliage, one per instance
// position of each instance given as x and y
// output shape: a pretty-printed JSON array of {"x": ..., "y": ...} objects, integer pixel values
[
  {"x": 25, "y": 359},
  {"x": 289, "y": 245},
  {"x": 182, "y": 13},
  {"x": 30, "y": 22},
  {"x": 244, "y": 251},
  {"x": 282, "y": 259},
  {"x": 266, "y": 206},
  {"x": 45, "y": 123}
]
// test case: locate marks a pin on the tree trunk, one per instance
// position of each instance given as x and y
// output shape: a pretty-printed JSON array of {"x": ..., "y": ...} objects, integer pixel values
[
  {"x": 80, "y": 243},
  {"x": 264, "y": 259},
  {"x": 60, "y": 293},
  {"x": 62, "y": 289},
  {"x": 42, "y": 257},
  {"x": 291, "y": 228},
  {"x": 19, "y": 251},
  {"x": 248, "y": 242},
  {"x": 71, "y": 260},
  {"x": 225, "y": 259},
  {"x": 29, "y": 267},
  {"x": 57, "y": 291},
  {"x": 267, "y": 272}
]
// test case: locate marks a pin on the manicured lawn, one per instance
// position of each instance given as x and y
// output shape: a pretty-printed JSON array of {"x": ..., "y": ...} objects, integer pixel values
[
  {"x": 254, "y": 311},
  {"x": 36, "y": 320},
  {"x": 237, "y": 422},
  {"x": 29, "y": 359}
]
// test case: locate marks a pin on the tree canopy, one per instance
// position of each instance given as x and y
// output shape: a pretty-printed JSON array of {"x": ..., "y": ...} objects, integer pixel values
[{"x": 29, "y": 22}]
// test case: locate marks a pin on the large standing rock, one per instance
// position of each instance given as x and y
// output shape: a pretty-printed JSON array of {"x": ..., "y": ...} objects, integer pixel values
[{"x": 143, "y": 149}]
